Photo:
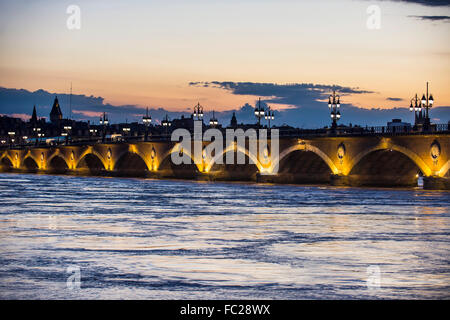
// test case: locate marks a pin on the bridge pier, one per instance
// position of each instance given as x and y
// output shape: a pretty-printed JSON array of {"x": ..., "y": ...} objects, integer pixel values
[
  {"x": 339, "y": 180},
  {"x": 436, "y": 183}
]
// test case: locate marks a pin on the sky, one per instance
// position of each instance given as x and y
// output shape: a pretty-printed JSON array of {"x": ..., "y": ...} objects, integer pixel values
[{"x": 172, "y": 54}]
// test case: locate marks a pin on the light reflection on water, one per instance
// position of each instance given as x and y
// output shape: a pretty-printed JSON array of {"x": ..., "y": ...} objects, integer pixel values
[{"x": 157, "y": 239}]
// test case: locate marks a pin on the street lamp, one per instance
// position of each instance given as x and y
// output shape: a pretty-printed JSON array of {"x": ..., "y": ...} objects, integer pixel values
[
  {"x": 334, "y": 105},
  {"x": 259, "y": 112},
  {"x": 126, "y": 131},
  {"x": 67, "y": 133},
  {"x": 104, "y": 122},
  {"x": 166, "y": 123},
  {"x": 198, "y": 111},
  {"x": 416, "y": 107},
  {"x": 213, "y": 121},
  {"x": 36, "y": 133},
  {"x": 11, "y": 137},
  {"x": 427, "y": 102},
  {"x": 146, "y": 120},
  {"x": 38, "y": 140},
  {"x": 269, "y": 115}
]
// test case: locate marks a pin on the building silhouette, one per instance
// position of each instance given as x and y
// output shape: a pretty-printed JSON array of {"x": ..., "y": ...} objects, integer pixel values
[{"x": 56, "y": 114}]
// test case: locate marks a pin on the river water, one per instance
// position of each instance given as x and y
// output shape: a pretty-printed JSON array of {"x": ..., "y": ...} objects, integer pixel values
[{"x": 65, "y": 237}]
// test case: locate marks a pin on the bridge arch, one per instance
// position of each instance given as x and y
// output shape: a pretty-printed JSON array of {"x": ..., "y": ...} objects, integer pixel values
[
  {"x": 303, "y": 147},
  {"x": 424, "y": 168},
  {"x": 445, "y": 170},
  {"x": 94, "y": 153},
  {"x": 131, "y": 163},
  {"x": 90, "y": 162},
  {"x": 182, "y": 170},
  {"x": 30, "y": 163},
  {"x": 57, "y": 163},
  {"x": 235, "y": 148},
  {"x": 6, "y": 162}
]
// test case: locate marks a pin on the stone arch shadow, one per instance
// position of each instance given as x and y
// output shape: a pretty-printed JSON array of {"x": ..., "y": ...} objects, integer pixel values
[
  {"x": 91, "y": 164},
  {"x": 239, "y": 172},
  {"x": 57, "y": 164},
  {"x": 130, "y": 164},
  {"x": 386, "y": 166},
  {"x": 167, "y": 168}
]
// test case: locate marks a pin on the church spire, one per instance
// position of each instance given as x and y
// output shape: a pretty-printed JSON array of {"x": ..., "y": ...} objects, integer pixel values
[
  {"x": 34, "y": 116},
  {"x": 56, "y": 114}
]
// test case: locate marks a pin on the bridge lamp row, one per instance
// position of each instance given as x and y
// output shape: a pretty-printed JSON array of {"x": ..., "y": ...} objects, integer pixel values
[
  {"x": 337, "y": 115},
  {"x": 198, "y": 111},
  {"x": 147, "y": 120},
  {"x": 269, "y": 115},
  {"x": 126, "y": 129},
  {"x": 337, "y": 104},
  {"x": 430, "y": 100},
  {"x": 166, "y": 122}
]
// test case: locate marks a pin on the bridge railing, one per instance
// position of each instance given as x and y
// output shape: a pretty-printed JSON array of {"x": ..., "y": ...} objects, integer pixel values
[{"x": 283, "y": 133}]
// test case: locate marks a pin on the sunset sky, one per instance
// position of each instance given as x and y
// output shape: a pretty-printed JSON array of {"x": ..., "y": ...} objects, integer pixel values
[{"x": 146, "y": 53}]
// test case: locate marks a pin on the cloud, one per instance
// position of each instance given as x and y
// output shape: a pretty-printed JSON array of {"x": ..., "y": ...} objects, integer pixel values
[
  {"x": 432, "y": 18},
  {"x": 428, "y": 3},
  {"x": 296, "y": 94},
  {"x": 394, "y": 99}
]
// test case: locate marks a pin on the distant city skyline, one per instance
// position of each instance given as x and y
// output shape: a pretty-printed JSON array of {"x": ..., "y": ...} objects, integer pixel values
[
  {"x": 168, "y": 56},
  {"x": 314, "y": 113}
]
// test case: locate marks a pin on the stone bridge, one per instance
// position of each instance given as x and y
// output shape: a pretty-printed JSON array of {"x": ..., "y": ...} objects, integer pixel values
[{"x": 353, "y": 161}]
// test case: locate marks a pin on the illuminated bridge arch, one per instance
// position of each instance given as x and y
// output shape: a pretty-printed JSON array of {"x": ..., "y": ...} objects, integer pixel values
[
  {"x": 131, "y": 163},
  {"x": 6, "y": 161},
  {"x": 91, "y": 162},
  {"x": 57, "y": 163},
  {"x": 424, "y": 168},
  {"x": 30, "y": 163},
  {"x": 235, "y": 148},
  {"x": 166, "y": 161},
  {"x": 90, "y": 154},
  {"x": 303, "y": 147},
  {"x": 445, "y": 170}
]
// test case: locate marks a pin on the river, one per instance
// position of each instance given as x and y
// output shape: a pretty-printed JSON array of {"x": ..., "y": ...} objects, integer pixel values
[{"x": 67, "y": 237}]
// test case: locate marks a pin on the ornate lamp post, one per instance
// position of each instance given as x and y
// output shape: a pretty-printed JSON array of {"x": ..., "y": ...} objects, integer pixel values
[
  {"x": 146, "y": 120},
  {"x": 39, "y": 136},
  {"x": 269, "y": 115},
  {"x": 11, "y": 138},
  {"x": 334, "y": 104},
  {"x": 92, "y": 132},
  {"x": 66, "y": 133},
  {"x": 104, "y": 122},
  {"x": 416, "y": 107},
  {"x": 37, "y": 133},
  {"x": 126, "y": 131},
  {"x": 427, "y": 102},
  {"x": 213, "y": 121},
  {"x": 259, "y": 112},
  {"x": 166, "y": 123},
  {"x": 198, "y": 112}
]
